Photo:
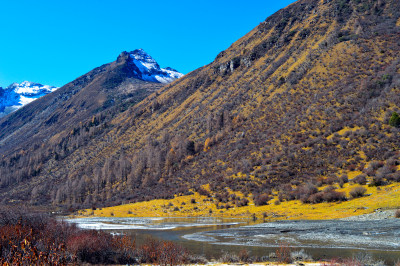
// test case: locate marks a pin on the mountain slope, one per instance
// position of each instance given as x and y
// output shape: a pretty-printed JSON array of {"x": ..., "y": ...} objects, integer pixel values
[
  {"x": 304, "y": 97},
  {"x": 120, "y": 81},
  {"x": 17, "y": 95},
  {"x": 35, "y": 133}
]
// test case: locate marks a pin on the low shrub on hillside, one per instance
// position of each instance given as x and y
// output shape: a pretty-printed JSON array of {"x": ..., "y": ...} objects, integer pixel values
[
  {"x": 260, "y": 200},
  {"x": 394, "y": 177},
  {"x": 241, "y": 202},
  {"x": 377, "y": 181},
  {"x": 360, "y": 179},
  {"x": 357, "y": 192},
  {"x": 343, "y": 180},
  {"x": 330, "y": 196}
]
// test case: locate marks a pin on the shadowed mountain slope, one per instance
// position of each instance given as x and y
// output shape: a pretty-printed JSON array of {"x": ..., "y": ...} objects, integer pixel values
[
  {"x": 304, "y": 97},
  {"x": 29, "y": 136},
  {"x": 79, "y": 100}
]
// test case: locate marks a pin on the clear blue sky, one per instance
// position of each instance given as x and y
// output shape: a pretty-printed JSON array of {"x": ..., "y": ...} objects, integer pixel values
[{"x": 55, "y": 41}]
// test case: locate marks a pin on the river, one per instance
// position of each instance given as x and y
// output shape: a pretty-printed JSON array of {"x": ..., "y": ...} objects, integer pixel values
[{"x": 212, "y": 237}]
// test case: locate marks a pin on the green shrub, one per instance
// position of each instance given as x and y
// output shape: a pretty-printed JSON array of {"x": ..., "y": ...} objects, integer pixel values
[{"x": 394, "y": 120}]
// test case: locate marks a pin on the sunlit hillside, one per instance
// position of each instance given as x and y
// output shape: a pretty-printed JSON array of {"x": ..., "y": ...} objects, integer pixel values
[{"x": 289, "y": 112}]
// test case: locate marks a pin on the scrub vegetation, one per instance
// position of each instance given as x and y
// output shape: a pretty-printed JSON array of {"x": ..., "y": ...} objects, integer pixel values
[
  {"x": 37, "y": 239},
  {"x": 373, "y": 198}
]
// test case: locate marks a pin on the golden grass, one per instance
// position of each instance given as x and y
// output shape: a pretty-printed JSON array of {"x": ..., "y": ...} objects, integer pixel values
[
  {"x": 342, "y": 131},
  {"x": 386, "y": 197}
]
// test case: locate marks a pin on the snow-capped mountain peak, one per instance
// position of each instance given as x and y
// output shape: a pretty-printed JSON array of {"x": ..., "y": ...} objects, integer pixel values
[
  {"x": 28, "y": 88},
  {"x": 19, "y": 94},
  {"x": 150, "y": 69},
  {"x": 142, "y": 58}
]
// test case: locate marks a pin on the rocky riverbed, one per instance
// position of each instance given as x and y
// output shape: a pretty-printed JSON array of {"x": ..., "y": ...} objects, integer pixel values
[
  {"x": 377, "y": 215},
  {"x": 375, "y": 231},
  {"x": 376, "y": 234}
]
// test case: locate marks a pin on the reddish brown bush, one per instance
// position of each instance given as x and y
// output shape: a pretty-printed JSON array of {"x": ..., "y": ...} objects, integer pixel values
[
  {"x": 357, "y": 192},
  {"x": 394, "y": 177},
  {"x": 283, "y": 253},
  {"x": 328, "y": 195},
  {"x": 244, "y": 255},
  {"x": 241, "y": 202},
  {"x": 36, "y": 240},
  {"x": 377, "y": 181},
  {"x": 360, "y": 179},
  {"x": 376, "y": 164},
  {"x": 304, "y": 192},
  {"x": 22, "y": 244},
  {"x": 316, "y": 198},
  {"x": 334, "y": 195},
  {"x": 92, "y": 246},
  {"x": 203, "y": 192},
  {"x": 344, "y": 179},
  {"x": 262, "y": 199},
  {"x": 170, "y": 254}
]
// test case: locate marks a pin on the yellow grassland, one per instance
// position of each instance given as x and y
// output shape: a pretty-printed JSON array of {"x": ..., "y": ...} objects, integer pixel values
[{"x": 387, "y": 197}]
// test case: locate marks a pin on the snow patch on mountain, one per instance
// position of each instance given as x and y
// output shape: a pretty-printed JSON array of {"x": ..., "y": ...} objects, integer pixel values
[
  {"x": 31, "y": 89},
  {"x": 150, "y": 69},
  {"x": 17, "y": 95}
]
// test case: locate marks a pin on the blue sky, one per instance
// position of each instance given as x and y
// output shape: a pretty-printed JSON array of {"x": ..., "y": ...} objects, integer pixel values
[{"x": 54, "y": 42}]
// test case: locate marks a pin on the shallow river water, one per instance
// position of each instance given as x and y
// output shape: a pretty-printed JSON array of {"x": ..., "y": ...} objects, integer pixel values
[{"x": 214, "y": 236}]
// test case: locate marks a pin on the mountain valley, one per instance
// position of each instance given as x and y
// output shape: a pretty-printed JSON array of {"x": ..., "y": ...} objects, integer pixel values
[{"x": 296, "y": 109}]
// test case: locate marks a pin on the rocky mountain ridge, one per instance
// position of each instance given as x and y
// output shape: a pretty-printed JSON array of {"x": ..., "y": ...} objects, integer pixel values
[{"x": 149, "y": 69}]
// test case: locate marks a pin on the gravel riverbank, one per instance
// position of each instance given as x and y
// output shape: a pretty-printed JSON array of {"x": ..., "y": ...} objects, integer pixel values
[
  {"x": 377, "y": 215},
  {"x": 375, "y": 231}
]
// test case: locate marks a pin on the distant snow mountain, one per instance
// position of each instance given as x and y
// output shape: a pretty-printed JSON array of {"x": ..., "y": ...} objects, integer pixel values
[
  {"x": 17, "y": 95},
  {"x": 149, "y": 70}
]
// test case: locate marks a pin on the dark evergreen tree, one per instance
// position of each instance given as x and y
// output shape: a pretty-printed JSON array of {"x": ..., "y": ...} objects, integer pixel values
[{"x": 395, "y": 120}]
